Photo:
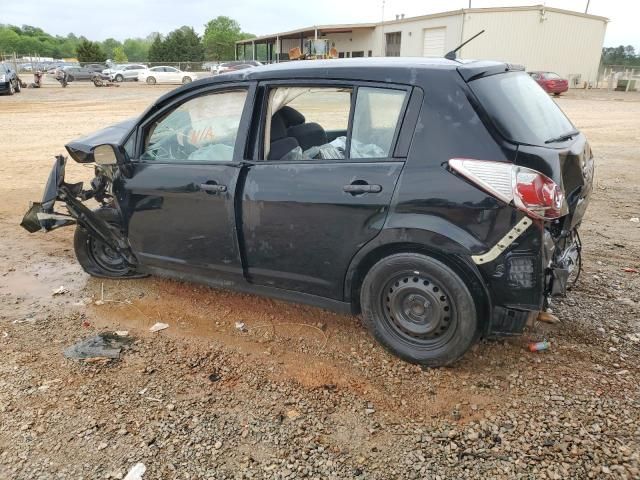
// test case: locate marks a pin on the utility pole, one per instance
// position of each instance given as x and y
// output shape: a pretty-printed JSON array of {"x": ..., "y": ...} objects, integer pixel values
[
  {"x": 586, "y": 10},
  {"x": 469, "y": 3}
]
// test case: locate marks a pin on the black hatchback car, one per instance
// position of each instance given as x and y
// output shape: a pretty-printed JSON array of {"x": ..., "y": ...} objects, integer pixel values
[{"x": 441, "y": 199}]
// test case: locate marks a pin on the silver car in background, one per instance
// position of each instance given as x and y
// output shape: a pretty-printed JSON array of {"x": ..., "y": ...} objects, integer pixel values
[{"x": 121, "y": 73}]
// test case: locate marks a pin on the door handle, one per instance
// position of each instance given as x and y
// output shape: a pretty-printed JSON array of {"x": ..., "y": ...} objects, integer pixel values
[
  {"x": 213, "y": 188},
  {"x": 359, "y": 188}
]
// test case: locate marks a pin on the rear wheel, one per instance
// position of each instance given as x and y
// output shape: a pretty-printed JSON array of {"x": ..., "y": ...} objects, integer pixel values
[
  {"x": 151, "y": 81},
  {"x": 186, "y": 80},
  {"x": 419, "y": 309},
  {"x": 97, "y": 258}
]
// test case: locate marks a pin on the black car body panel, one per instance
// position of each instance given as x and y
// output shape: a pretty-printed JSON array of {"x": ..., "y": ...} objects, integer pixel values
[
  {"x": 81, "y": 149},
  {"x": 295, "y": 230}
]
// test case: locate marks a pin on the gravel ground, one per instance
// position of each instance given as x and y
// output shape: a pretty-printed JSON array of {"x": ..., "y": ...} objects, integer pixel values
[{"x": 305, "y": 393}]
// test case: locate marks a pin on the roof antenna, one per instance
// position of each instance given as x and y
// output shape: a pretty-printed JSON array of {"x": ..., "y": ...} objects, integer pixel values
[{"x": 452, "y": 54}]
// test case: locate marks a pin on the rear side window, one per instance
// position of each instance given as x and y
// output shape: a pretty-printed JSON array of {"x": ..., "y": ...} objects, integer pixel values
[
  {"x": 313, "y": 123},
  {"x": 521, "y": 110},
  {"x": 374, "y": 122}
]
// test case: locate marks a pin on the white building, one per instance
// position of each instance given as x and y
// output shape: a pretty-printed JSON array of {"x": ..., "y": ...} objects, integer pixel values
[{"x": 538, "y": 37}]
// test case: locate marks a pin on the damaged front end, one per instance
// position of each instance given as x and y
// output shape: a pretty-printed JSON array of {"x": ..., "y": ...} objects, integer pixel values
[{"x": 42, "y": 215}]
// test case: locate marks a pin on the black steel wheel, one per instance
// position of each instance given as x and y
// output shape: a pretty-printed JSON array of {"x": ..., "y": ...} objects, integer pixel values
[
  {"x": 97, "y": 258},
  {"x": 419, "y": 308}
]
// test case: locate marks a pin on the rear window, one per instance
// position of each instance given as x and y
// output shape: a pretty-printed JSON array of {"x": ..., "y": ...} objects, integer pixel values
[{"x": 521, "y": 110}]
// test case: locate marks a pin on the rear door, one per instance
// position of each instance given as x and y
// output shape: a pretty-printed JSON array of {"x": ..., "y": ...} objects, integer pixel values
[
  {"x": 305, "y": 214},
  {"x": 178, "y": 198}
]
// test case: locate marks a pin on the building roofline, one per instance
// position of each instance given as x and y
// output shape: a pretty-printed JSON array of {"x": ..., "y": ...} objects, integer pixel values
[
  {"x": 351, "y": 26},
  {"x": 339, "y": 26}
]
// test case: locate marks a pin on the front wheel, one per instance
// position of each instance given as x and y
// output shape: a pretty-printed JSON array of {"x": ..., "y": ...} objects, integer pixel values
[
  {"x": 18, "y": 86},
  {"x": 186, "y": 80},
  {"x": 419, "y": 309},
  {"x": 12, "y": 88},
  {"x": 119, "y": 78},
  {"x": 95, "y": 257},
  {"x": 151, "y": 81}
]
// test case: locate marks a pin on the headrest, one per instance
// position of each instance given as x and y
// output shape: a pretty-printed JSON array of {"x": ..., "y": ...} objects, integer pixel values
[
  {"x": 291, "y": 116},
  {"x": 278, "y": 126}
]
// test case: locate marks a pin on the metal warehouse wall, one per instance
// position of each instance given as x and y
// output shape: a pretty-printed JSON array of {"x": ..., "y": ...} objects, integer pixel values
[
  {"x": 539, "y": 39},
  {"x": 412, "y": 31}
]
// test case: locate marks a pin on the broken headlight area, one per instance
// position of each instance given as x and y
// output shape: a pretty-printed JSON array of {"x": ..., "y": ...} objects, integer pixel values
[{"x": 42, "y": 216}]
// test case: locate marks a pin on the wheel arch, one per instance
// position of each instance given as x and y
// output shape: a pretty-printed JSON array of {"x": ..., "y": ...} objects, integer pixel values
[{"x": 455, "y": 256}]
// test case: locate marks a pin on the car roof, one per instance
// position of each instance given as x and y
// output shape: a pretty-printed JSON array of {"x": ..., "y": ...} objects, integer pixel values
[{"x": 402, "y": 70}]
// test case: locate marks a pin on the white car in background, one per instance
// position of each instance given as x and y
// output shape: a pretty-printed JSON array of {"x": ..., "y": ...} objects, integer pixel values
[
  {"x": 122, "y": 73},
  {"x": 165, "y": 74}
]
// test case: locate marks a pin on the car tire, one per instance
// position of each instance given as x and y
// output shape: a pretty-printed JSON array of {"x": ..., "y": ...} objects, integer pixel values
[
  {"x": 12, "y": 88},
  {"x": 556, "y": 94},
  {"x": 119, "y": 78},
  {"x": 419, "y": 308},
  {"x": 96, "y": 258},
  {"x": 151, "y": 81},
  {"x": 186, "y": 80},
  {"x": 18, "y": 86}
]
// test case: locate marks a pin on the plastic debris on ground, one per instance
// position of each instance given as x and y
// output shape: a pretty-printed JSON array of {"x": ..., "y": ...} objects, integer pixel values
[
  {"x": 61, "y": 290},
  {"x": 101, "y": 347},
  {"x": 136, "y": 472},
  {"x": 634, "y": 220},
  {"x": 630, "y": 270},
  {"x": 122, "y": 333},
  {"x": 547, "y": 317},
  {"x": 241, "y": 326},
  {"x": 539, "y": 346},
  {"x": 159, "y": 326}
]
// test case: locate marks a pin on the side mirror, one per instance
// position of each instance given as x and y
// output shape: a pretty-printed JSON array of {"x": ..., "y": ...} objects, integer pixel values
[{"x": 108, "y": 154}]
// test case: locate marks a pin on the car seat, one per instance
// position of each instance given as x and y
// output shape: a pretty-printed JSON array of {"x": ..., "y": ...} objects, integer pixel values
[
  {"x": 307, "y": 134},
  {"x": 281, "y": 142}
]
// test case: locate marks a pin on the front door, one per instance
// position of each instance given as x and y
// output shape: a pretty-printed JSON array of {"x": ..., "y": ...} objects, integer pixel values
[
  {"x": 178, "y": 201},
  {"x": 318, "y": 198}
]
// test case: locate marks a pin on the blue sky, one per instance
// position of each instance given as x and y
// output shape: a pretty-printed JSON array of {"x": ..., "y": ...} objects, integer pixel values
[{"x": 124, "y": 18}]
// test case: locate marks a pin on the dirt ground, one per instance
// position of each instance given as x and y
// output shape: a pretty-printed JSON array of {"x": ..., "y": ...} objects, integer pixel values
[{"x": 302, "y": 393}]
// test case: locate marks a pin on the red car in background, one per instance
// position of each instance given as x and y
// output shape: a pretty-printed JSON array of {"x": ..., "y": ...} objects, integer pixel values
[{"x": 551, "y": 82}]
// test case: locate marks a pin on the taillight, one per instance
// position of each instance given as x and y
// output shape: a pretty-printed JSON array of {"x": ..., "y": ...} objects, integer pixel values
[{"x": 528, "y": 190}]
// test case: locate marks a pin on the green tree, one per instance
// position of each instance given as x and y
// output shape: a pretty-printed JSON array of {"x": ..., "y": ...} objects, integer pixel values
[
  {"x": 88, "y": 51},
  {"x": 156, "y": 50},
  {"x": 109, "y": 45},
  {"x": 620, "y": 55},
  {"x": 9, "y": 40},
  {"x": 220, "y": 37},
  {"x": 183, "y": 45},
  {"x": 119, "y": 56},
  {"x": 137, "y": 49}
]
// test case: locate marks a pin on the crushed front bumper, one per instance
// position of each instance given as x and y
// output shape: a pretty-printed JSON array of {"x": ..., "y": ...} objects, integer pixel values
[{"x": 42, "y": 216}]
